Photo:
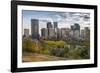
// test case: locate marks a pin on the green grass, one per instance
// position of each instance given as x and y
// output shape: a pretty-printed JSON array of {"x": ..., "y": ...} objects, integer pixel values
[{"x": 55, "y": 43}]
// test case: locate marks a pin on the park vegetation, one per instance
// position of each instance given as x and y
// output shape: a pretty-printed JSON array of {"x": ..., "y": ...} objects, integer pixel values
[{"x": 69, "y": 49}]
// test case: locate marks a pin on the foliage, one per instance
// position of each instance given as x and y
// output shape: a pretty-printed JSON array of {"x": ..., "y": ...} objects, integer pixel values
[
  {"x": 27, "y": 44},
  {"x": 59, "y": 48}
]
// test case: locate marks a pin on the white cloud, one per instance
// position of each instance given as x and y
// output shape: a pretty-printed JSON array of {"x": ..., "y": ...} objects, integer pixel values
[{"x": 65, "y": 20}]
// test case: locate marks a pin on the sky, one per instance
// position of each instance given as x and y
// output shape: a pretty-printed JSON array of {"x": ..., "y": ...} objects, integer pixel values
[{"x": 64, "y": 19}]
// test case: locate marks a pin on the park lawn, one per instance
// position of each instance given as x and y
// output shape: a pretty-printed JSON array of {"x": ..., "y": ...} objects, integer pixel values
[{"x": 55, "y": 43}]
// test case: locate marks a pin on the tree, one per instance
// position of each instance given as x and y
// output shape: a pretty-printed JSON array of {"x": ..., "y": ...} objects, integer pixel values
[{"x": 27, "y": 44}]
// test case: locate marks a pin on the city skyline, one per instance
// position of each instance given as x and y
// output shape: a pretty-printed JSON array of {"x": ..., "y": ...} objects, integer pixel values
[
  {"x": 64, "y": 19},
  {"x": 53, "y": 32}
]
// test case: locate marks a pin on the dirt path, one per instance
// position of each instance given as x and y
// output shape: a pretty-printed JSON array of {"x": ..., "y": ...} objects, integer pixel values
[{"x": 34, "y": 57}]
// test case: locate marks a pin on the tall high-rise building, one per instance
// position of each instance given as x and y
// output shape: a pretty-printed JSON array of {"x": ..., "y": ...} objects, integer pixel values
[
  {"x": 82, "y": 34},
  {"x": 72, "y": 27},
  {"x": 55, "y": 24},
  {"x": 87, "y": 33},
  {"x": 71, "y": 33},
  {"x": 26, "y": 32},
  {"x": 76, "y": 26},
  {"x": 58, "y": 34},
  {"x": 55, "y": 28},
  {"x": 49, "y": 25},
  {"x": 77, "y": 34},
  {"x": 51, "y": 33},
  {"x": 75, "y": 31},
  {"x": 44, "y": 33},
  {"x": 35, "y": 28},
  {"x": 65, "y": 33},
  {"x": 49, "y": 28}
]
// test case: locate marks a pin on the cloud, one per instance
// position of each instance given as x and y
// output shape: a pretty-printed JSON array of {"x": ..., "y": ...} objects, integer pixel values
[{"x": 64, "y": 19}]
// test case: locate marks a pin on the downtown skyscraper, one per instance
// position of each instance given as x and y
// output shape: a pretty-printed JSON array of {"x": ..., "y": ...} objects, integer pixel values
[{"x": 35, "y": 28}]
